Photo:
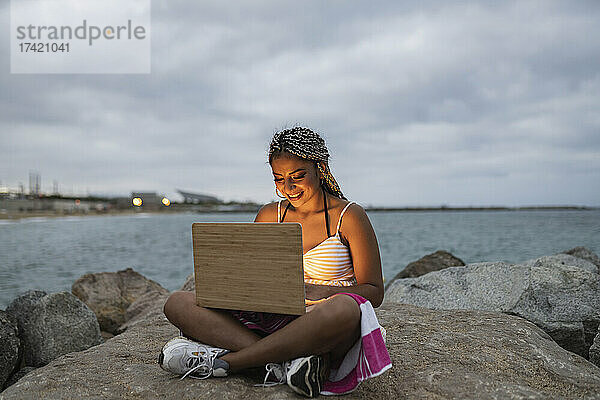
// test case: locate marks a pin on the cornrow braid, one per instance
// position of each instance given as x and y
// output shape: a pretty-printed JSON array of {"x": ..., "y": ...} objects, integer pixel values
[{"x": 306, "y": 144}]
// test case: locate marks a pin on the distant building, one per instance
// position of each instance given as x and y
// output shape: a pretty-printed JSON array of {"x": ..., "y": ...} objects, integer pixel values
[
  {"x": 35, "y": 183},
  {"x": 196, "y": 198},
  {"x": 147, "y": 200}
]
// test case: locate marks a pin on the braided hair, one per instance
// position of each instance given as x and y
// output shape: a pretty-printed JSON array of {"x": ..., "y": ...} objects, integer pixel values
[{"x": 304, "y": 143}]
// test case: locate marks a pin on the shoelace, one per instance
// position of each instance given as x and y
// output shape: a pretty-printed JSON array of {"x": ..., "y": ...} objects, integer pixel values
[
  {"x": 275, "y": 369},
  {"x": 204, "y": 364}
]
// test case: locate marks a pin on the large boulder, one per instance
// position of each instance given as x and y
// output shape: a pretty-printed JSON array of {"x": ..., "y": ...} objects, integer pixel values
[
  {"x": 9, "y": 347},
  {"x": 14, "y": 378},
  {"x": 561, "y": 259},
  {"x": 562, "y": 299},
  {"x": 60, "y": 323},
  {"x": 22, "y": 306},
  {"x": 146, "y": 306},
  {"x": 431, "y": 262},
  {"x": 436, "y": 355},
  {"x": 150, "y": 306},
  {"x": 478, "y": 355},
  {"x": 21, "y": 310},
  {"x": 109, "y": 295},
  {"x": 595, "y": 350},
  {"x": 584, "y": 253}
]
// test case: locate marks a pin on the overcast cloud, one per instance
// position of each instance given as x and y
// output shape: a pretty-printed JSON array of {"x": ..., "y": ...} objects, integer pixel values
[{"x": 470, "y": 103}]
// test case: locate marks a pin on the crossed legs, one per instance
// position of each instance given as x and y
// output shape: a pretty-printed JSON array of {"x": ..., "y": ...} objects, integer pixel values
[{"x": 332, "y": 327}]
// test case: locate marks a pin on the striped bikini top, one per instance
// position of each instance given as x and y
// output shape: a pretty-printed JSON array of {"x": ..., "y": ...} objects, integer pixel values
[{"x": 329, "y": 262}]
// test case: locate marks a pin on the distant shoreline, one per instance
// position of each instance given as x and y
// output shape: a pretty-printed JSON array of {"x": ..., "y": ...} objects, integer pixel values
[
  {"x": 498, "y": 208},
  {"x": 53, "y": 214}
]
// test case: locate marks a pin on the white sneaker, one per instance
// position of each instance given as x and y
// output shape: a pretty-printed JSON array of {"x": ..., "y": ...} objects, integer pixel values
[
  {"x": 306, "y": 375},
  {"x": 276, "y": 374},
  {"x": 188, "y": 358}
]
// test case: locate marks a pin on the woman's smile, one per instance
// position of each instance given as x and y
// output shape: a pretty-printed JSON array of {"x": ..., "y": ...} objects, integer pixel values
[{"x": 295, "y": 196}]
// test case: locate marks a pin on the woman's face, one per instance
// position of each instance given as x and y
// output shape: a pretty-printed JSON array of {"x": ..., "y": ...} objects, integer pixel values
[{"x": 296, "y": 178}]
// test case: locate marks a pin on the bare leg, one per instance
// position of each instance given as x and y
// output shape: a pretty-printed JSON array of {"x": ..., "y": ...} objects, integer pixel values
[
  {"x": 215, "y": 328},
  {"x": 331, "y": 327}
]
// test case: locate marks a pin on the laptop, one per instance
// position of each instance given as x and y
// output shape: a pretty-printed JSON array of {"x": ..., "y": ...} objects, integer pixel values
[{"x": 249, "y": 266}]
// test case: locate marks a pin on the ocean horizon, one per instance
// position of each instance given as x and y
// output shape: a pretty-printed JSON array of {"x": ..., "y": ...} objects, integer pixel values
[{"x": 51, "y": 253}]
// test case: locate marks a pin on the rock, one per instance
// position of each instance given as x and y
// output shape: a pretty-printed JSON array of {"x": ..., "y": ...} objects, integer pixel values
[
  {"x": 109, "y": 294},
  {"x": 9, "y": 347},
  {"x": 60, "y": 323},
  {"x": 559, "y": 260},
  {"x": 147, "y": 305},
  {"x": 431, "y": 262},
  {"x": 485, "y": 286},
  {"x": 190, "y": 284},
  {"x": 18, "y": 375},
  {"x": 142, "y": 304},
  {"x": 478, "y": 355},
  {"x": 595, "y": 350},
  {"x": 436, "y": 354},
  {"x": 563, "y": 300},
  {"x": 21, "y": 309},
  {"x": 584, "y": 253}
]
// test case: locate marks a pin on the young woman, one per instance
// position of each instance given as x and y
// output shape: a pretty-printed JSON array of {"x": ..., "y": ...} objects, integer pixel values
[{"x": 338, "y": 343}]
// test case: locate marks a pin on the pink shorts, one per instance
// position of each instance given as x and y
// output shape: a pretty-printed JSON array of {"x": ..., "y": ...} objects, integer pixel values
[{"x": 261, "y": 322}]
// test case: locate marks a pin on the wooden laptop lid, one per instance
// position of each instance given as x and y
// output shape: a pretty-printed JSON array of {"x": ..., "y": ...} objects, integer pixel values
[{"x": 249, "y": 266}]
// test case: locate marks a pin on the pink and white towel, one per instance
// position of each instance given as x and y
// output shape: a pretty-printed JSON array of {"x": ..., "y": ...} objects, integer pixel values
[{"x": 366, "y": 359}]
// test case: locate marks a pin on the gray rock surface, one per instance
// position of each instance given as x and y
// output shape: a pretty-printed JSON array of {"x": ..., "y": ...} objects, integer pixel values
[
  {"x": 60, "y": 324},
  {"x": 595, "y": 350},
  {"x": 563, "y": 300},
  {"x": 147, "y": 306},
  {"x": 109, "y": 295},
  {"x": 21, "y": 309},
  {"x": 22, "y": 306},
  {"x": 189, "y": 284},
  {"x": 9, "y": 347},
  {"x": 559, "y": 260},
  {"x": 436, "y": 355},
  {"x": 585, "y": 253},
  {"x": 431, "y": 262},
  {"x": 18, "y": 375}
]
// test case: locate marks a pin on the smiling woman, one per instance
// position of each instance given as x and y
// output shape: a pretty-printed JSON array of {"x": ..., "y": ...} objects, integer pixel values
[
  {"x": 294, "y": 183},
  {"x": 336, "y": 345}
]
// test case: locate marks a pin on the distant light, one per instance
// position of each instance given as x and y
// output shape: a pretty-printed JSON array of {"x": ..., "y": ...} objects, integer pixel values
[
  {"x": 166, "y": 202},
  {"x": 137, "y": 201}
]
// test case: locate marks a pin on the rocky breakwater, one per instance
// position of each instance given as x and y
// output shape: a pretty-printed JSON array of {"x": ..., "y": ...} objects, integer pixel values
[
  {"x": 38, "y": 327},
  {"x": 9, "y": 347},
  {"x": 114, "y": 296},
  {"x": 558, "y": 293},
  {"x": 439, "y": 260},
  {"x": 437, "y": 354}
]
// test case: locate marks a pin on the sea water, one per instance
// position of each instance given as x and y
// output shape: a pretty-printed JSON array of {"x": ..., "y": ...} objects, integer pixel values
[{"x": 51, "y": 253}]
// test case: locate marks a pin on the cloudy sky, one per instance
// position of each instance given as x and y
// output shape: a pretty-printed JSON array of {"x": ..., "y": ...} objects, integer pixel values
[{"x": 470, "y": 103}]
